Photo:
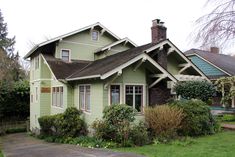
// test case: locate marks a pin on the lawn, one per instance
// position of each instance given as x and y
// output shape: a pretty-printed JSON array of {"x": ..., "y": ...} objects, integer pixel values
[
  {"x": 1, "y": 155},
  {"x": 219, "y": 145},
  {"x": 228, "y": 123}
]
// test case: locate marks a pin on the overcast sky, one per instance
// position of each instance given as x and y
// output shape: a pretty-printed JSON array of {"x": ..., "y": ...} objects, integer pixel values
[{"x": 36, "y": 20}]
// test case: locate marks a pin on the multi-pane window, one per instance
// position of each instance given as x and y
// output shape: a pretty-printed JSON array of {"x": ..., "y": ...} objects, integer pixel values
[
  {"x": 114, "y": 94},
  {"x": 57, "y": 96},
  {"x": 84, "y": 97},
  {"x": 65, "y": 55},
  {"x": 36, "y": 62},
  {"x": 134, "y": 96},
  {"x": 95, "y": 35}
]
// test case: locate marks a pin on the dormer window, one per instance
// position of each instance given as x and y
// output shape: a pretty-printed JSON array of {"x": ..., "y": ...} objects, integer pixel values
[
  {"x": 95, "y": 35},
  {"x": 65, "y": 55}
]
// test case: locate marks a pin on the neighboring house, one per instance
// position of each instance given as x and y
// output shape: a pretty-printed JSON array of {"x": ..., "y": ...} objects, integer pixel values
[
  {"x": 213, "y": 65},
  {"x": 91, "y": 68}
]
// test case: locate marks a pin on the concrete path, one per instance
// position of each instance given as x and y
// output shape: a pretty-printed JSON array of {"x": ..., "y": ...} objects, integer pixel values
[
  {"x": 228, "y": 126},
  {"x": 22, "y": 145}
]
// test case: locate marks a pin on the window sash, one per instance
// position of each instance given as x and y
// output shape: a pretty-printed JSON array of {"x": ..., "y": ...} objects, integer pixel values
[
  {"x": 95, "y": 35},
  {"x": 65, "y": 54},
  {"x": 57, "y": 96},
  {"x": 84, "y": 98},
  {"x": 134, "y": 96},
  {"x": 114, "y": 94}
]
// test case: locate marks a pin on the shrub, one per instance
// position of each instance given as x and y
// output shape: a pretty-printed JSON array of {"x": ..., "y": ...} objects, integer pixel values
[
  {"x": 117, "y": 126},
  {"x": 139, "y": 135},
  {"x": 195, "y": 90},
  {"x": 46, "y": 123},
  {"x": 67, "y": 124},
  {"x": 198, "y": 119},
  {"x": 118, "y": 113},
  {"x": 164, "y": 120},
  {"x": 70, "y": 123}
]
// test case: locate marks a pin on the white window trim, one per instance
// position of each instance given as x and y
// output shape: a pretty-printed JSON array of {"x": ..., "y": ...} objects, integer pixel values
[
  {"x": 144, "y": 93},
  {"x": 52, "y": 97},
  {"x": 78, "y": 105},
  {"x": 98, "y": 38},
  {"x": 109, "y": 90},
  {"x": 65, "y": 50}
]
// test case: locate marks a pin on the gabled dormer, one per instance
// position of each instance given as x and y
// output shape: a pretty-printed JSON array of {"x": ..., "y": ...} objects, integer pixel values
[{"x": 82, "y": 44}]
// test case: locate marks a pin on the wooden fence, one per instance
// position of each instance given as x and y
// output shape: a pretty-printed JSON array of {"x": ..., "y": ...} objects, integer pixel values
[{"x": 10, "y": 126}]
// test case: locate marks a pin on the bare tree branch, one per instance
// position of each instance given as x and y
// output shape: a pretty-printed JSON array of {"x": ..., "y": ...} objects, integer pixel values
[{"x": 218, "y": 27}]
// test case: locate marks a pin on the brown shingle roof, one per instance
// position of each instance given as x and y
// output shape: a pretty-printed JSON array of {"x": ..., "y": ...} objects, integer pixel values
[
  {"x": 61, "y": 69},
  {"x": 106, "y": 64},
  {"x": 225, "y": 62}
]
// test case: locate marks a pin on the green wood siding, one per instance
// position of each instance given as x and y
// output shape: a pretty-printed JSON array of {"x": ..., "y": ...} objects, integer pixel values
[
  {"x": 113, "y": 50},
  {"x": 81, "y": 45},
  {"x": 205, "y": 67}
]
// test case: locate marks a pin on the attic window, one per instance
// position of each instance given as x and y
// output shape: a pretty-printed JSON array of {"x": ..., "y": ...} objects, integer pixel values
[
  {"x": 95, "y": 35},
  {"x": 65, "y": 55}
]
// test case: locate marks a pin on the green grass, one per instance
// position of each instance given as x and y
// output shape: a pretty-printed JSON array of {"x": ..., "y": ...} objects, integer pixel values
[
  {"x": 218, "y": 145},
  {"x": 1, "y": 155},
  {"x": 228, "y": 123}
]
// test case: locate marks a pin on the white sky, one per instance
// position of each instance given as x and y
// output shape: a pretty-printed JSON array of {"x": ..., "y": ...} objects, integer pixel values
[{"x": 36, "y": 20}]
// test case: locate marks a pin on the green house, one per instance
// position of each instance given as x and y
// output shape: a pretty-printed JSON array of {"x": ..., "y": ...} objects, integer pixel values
[{"x": 91, "y": 68}]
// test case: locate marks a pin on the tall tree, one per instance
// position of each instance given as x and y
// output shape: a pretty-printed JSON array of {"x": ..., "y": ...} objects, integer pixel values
[
  {"x": 10, "y": 68},
  {"x": 218, "y": 27}
]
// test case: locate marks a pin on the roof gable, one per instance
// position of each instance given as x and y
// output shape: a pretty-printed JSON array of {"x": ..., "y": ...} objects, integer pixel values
[
  {"x": 91, "y": 27},
  {"x": 222, "y": 62}
]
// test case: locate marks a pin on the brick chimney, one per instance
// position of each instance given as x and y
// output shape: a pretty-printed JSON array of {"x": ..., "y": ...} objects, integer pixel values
[
  {"x": 158, "y": 31},
  {"x": 215, "y": 50}
]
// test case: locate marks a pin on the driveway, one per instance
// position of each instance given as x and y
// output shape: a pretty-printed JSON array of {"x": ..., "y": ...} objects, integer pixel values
[{"x": 22, "y": 145}]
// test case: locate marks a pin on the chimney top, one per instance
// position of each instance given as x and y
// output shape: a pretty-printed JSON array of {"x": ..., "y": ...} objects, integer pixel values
[
  {"x": 158, "y": 31},
  {"x": 214, "y": 50},
  {"x": 157, "y": 22}
]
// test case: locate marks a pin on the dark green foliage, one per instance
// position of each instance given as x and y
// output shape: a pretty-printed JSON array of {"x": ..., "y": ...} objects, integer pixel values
[
  {"x": 67, "y": 124},
  {"x": 15, "y": 130},
  {"x": 139, "y": 134},
  {"x": 14, "y": 100},
  {"x": 198, "y": 118},
  {"x": 46, "y": 123},
  {"x": 117, "y": 125},
  {"x": 195, "y": 90},
  {"x": 83, "y": 141},
  {"x": 116, "y": 114},
  {"x": 5, "y": 42},
  {"x": 70, "y": 123}
]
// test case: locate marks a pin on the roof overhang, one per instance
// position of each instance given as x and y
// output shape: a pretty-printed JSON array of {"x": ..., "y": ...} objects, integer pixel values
[
  {"x": 119, "y": 69},
  {"x": 173, "y": 48}
]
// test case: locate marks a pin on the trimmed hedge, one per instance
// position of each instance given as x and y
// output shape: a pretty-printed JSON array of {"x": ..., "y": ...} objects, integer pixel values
[{"x": 195, "y": 90}]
